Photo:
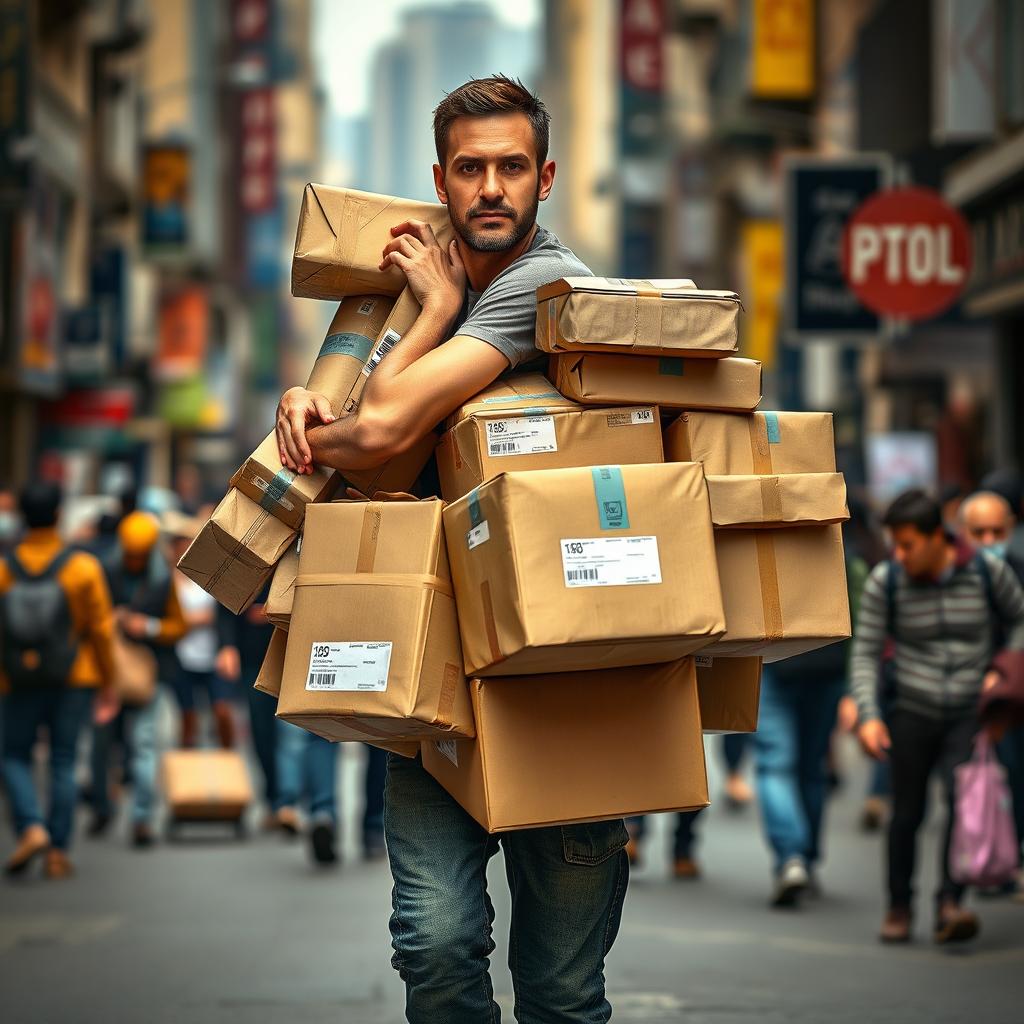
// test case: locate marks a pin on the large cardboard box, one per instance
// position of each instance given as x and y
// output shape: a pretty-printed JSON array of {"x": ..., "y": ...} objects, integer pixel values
[
  {"x": 730, "y": 383},
  {"x": 278, "y": 606},
  {"x": 373, "y": 645},
  {"x": 728, "y": 693},
  {"x": 340, "y": 238},
  {"x": 777, "y": 501},
  {"x": 570, "y": 569},
  {"x": 583, "y": 746},
  {"x": 646, "y": 318},
  {"x": 764, "y": 442},
  {"x": 209, "y": 785},
  {"x": 515, "y": 392},
  {"x": 365, "y": 327},
  {"x": 236, "y": 551},
  {"x": 491, "y": 441}
]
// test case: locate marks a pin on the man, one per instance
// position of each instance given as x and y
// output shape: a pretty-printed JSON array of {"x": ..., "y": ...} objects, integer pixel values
[
  {"x": 1008, "y": 484},
  {"x": 937, "y": 602},
  {"x": 55, "y": 617},
  {"x": 478, "y": 298},
  {"x": 148, "y": 612}
]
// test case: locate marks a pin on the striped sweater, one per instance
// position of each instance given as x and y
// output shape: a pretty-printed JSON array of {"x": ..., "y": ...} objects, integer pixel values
[{"x": 942, "y": 634}]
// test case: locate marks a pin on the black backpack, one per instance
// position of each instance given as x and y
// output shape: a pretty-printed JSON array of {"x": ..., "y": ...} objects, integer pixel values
[{"x": 38, "y": 644}]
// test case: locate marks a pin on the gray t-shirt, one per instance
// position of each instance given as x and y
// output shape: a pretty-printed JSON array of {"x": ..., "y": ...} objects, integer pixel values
[{"x": 505, "y": 312}]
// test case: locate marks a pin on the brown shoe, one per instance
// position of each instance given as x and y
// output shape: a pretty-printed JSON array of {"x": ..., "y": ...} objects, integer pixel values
[
  {"x": 287, "y": 821},
  {"x": 738, "y": 793},
  {"x": 57, "y": 866},
  {"x": 896, "y": 926},
  {"x": 954, "y": 924},
  {"x": 32, "y": 842},
  {"x": 873, "y": 814},
  {"x": 685, "y": 868}
]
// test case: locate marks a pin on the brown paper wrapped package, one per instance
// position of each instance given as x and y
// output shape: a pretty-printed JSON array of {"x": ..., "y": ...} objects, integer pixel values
[
  {"x": 529, "y": 390},
  {"x": 206, "y": 784},
  {"x": 728, "y": 692},
  {"x": 777, "y": 501},
  {"x": 645, "y": 318},
  {"x": 547, "y": 581},
  {"x": 730, "y": 383},
  {"x": 282, "y": 589},
  {"x": 580, "y": 746},
  {"x": 341, "y": 236}
]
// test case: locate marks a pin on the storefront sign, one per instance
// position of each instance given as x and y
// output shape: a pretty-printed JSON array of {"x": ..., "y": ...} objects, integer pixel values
[
  {"x": 165, "y": 195},
  {"x": 782, "y": 58},
  {"x": 184, "y": 328},
  {"x": 996, "y": 281},
  {"x": 762, "y": 290}
]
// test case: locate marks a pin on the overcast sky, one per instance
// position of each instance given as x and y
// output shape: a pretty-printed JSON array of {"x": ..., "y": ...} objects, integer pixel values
[{"x": 347, "y": 32}]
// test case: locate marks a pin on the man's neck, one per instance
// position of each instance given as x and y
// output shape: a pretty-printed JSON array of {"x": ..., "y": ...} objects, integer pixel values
[
  {"x": 483, "y": 267},
  {"x": 945, "y": 563}
]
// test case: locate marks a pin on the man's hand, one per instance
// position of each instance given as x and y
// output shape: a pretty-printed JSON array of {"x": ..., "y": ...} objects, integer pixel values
[
  {"x": 228, "y": 663},
  {"x": 298, "y": 409},
  {"x": 846, "y": 718},
  {"x": 135, "y": 625},
  {"x": 105, "y": 706},
  {"x": 992, "y": 677},
  {"x": 874, "y": 738},
  {"x": 436, "y": 276}
]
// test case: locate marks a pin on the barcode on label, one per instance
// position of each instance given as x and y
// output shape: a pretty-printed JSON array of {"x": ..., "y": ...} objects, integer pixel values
[
  {"x": 320, "y": 680},
  {"x": 387, "y": 343},
  {"x": 504, "y": 448},
  {"x": 581, "y": 574}
]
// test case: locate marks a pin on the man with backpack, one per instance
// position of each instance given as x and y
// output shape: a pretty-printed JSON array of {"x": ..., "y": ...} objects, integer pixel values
[
  {"x": 940, "y": 604},
  {"x": 56, "y": 625}
]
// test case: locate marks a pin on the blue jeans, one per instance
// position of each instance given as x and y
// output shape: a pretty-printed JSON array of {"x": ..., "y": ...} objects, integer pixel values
[
  {"x": 307, "y": 765},
  {"x": 141, "y": 727},
  {"x": 1011, "y": 754},
  {"x": 568, "y": 885},
  {"x": 63, "y": 711},
  {"x": 790, "y": 749}
]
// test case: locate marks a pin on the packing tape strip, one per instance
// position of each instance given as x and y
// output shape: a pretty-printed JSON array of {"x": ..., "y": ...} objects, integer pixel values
[
  {"x": 768, "y": 574},
  {"x": 356, "y": 724},
  {"x": 345, "y": 239},
  {"x": 647, "y": 313},
  {"x": 347, "y": 344},
  {"x": 759, "y": 451},
  {"x": 419, "y": 581},
  {"x": 610, "y": 494},
  {"x": 446, "y": 698},
  {"x": 771, "y": 499},
  {"x": 277, "y": 489},
  {"x": 475, "y": 516},
  {"x": 367, "y": 554},
  {"x": 490, "y": 626}
]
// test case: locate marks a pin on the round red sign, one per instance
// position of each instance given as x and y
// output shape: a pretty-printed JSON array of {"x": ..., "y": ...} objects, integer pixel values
[{"x": 906, "y": 253}]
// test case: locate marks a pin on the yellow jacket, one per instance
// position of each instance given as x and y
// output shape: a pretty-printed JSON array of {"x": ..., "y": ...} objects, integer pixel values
[{"x": 88, "y": 599}]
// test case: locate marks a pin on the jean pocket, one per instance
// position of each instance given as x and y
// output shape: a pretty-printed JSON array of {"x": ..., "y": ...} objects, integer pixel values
[{"x": 593, "y": 841}]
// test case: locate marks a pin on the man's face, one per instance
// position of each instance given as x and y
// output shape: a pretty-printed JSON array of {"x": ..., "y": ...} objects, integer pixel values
[
  {"x": 491, "y": 182},
  {"x": 987, "y": 522},
  {"x": 920, "y": 554}
]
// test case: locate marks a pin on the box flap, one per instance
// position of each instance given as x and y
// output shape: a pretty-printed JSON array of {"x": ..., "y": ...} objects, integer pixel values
[{"x": 794, "y": 499}]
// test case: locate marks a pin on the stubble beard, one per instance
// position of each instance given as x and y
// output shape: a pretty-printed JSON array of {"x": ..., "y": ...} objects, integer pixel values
[{"x": 481, "y": 241}]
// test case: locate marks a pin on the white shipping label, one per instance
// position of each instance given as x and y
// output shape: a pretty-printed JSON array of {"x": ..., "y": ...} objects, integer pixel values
[
  {"x": 610, "y": 561},
  {"x": 361, "y": 665},
  {"x": 367, "y": 307},
  {"x": 478, "y": 535},
  {"x": 703, "y": 660},
  {"x": 523, "y": 435},
  {"x": 447, "y": 748},
  {"x": 641, "y": 416},
  {"x": 387, "y": 343}
]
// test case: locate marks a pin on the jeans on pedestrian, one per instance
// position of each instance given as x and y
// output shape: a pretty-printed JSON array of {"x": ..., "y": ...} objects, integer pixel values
[
  {"x": 568, "y": 885},
  {"x": 684, "y": 838},
  {"x": 63, "y": 711},
  {"x": 307, "y": 766},
  {"x": 922, "y": 746},
  {"x": 141, "y": 726},
  {"x": 1011, "y": 754},
  {"x": 373, "y": 811},
  {"x": 263, "y": 724},
  {"x": 790, "y": 750},
  {"x": 734, "y": 746}
]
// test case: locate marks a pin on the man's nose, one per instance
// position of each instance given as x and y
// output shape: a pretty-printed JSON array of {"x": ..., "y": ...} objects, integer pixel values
[{"x": 490, "y": 188}]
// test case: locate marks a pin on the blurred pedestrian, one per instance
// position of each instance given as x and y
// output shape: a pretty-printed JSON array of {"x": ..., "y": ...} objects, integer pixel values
[
  {"x": 1008, "y": 484},
  {"x": 938, "y": 601},
  {"x": 195, "y": 671},
  {"x": 147, "y": 611},
  {"x": 56, "y": 621},
  {"x": 10, "y": 520}
]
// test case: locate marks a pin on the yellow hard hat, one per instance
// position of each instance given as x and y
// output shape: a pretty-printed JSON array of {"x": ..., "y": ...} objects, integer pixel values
[{"x": 138, "y": 533}]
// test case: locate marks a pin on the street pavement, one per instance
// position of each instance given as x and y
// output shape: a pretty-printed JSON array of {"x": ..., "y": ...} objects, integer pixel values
[{"x": 213, "y": 929}]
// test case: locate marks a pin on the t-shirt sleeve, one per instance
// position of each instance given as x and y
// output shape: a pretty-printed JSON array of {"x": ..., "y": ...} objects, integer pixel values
[{"x": 506, "y": 313}]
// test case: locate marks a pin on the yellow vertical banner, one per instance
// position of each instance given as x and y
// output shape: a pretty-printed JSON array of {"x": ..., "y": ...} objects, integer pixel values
[
  {"x": 782, "y": 57},
  {"x": 762, "y": 288}
]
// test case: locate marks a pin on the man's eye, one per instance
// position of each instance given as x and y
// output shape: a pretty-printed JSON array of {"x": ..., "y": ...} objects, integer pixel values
[
  {"x": 513, "y": 165},
  {"x": 468, "y": 168}
]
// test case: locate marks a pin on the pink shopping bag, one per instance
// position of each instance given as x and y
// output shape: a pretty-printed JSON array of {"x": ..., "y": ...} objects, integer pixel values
[{"x": 984, "y": 848}]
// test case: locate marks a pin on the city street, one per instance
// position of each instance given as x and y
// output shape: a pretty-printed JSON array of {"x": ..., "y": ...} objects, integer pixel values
[{"x": 213, "y": 930}]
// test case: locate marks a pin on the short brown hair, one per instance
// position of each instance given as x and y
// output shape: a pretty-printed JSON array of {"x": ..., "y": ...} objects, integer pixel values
[{"x": 498, "y": 94}]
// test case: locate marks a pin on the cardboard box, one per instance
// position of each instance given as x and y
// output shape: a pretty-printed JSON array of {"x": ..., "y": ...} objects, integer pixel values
[
  {"x": 777, "y": 501},
  {"x": 373, "y": 645},
  {"x": 645, "y": 318},
  {"x": 492, "y": 441},
  {"x": 340, "y": 238},
  {"x": 764, "y": 442},
  {"x": 728, "y": 693},
  {"x": 278, "y": 606},
  {"x": 211, "y": 785},
  {"x": 582, "y": 746},
  {"x": 561, "y": 570},
  {"x": 517, "y": 391},
  {"x": 236, "y": 551},
  {"x": 730, "y": 383},
  {"x": 364, "y": 329}
]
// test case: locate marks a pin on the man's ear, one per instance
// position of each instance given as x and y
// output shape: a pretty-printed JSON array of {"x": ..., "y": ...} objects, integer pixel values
[
  {"x": 442, "y": 192},
  {"x": 547, "y": 179}
]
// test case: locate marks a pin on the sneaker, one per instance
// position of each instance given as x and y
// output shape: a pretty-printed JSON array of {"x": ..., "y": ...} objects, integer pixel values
[
  {"x": 685, "y": 868},
  {"x": 954, "y": 924},
  {"x": 142, "y": 836},
  {"x": 57, "y": 866},
  {"x": 99, "y": 824},
  {"x": 32, "y": 842},
  {"x": 896, "y": 926},
  {"x": 321, "y": 839},
  {"x": 791, "y": 880}
]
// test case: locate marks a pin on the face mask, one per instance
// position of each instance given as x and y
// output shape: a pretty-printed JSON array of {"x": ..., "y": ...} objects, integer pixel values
[
  {"x": 997, "y": 548},
  {"x": 10, "y": 526}
]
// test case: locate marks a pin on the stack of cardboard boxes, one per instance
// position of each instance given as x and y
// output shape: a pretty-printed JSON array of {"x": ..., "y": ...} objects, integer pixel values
[{"x": 590, "y": 594}]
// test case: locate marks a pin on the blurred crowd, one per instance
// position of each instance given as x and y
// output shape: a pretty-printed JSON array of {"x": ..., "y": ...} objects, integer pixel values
[{"x": 933, "y": 677}]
